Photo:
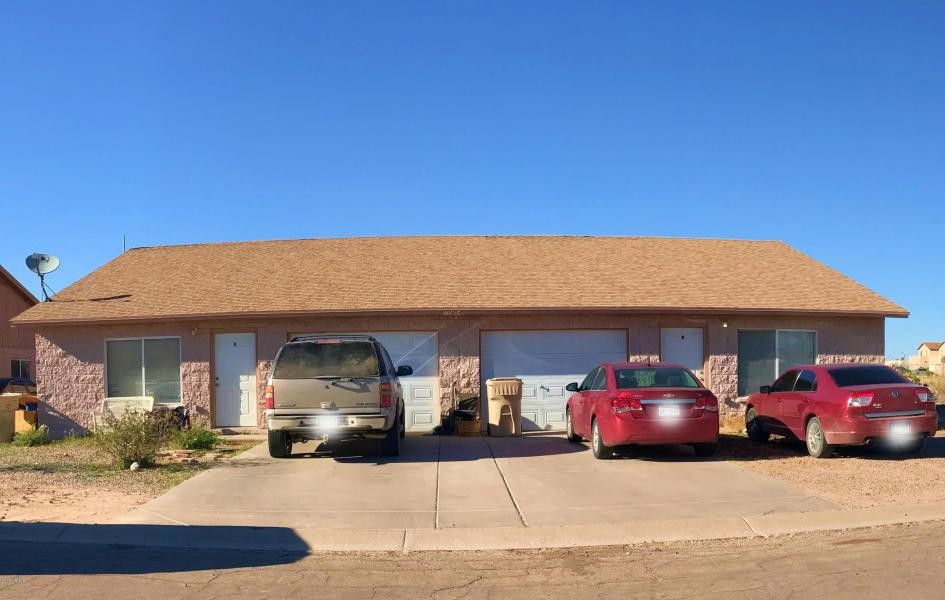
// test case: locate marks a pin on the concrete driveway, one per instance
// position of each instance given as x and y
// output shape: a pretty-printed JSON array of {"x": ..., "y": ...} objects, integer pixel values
[{"x": 451, "y": 482}]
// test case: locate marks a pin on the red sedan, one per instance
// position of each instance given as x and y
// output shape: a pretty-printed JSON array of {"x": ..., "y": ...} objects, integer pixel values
[
  {"x": 840, "y": 405},
  {"x": 641, "y": 403}
]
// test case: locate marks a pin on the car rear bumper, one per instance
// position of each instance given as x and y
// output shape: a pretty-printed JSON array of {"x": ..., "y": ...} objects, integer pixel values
[
  {"x": 311, "y": 426},
  {"x": 625, "y": 429},
  {"x": 854, "y": 431}
]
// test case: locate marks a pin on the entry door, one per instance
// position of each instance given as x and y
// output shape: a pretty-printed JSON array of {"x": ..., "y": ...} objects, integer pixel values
[
  {"x": 684, "y": 346},
  {"x": 235, "y": 379}
]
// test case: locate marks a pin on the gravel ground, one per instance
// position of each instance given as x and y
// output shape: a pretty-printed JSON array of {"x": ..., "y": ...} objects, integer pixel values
[
  {"x": 73, "y": 481},
  {"x": 857, "y": 477}
]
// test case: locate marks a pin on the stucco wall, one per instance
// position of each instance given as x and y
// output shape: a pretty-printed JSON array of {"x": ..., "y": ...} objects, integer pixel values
[{"x": 70, "y": 369}]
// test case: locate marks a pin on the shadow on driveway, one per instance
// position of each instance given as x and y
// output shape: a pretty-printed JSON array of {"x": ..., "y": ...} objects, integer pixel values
[
  {"x": 78, "y": 549},
  {"x": 740, "y": 448}
]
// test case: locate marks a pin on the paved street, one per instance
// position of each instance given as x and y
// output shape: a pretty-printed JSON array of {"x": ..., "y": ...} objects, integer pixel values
[
  {"x": 446, "y": 482},
  {"x": 889, "y": 562}
]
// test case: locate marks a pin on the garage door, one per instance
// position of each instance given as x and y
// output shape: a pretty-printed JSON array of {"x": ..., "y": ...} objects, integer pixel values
[
  {"x": 547, "y": 361},
  {"x": 419, "y": 350}
]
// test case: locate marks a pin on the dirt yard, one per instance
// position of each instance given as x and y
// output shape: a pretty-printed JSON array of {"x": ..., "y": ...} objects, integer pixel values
[
  {"x": 857, "y": 477},
  {"x": 72, "y": 481}
]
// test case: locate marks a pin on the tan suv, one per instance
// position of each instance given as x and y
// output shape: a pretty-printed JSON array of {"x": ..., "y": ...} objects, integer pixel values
[{"x": 334, "y": 387}]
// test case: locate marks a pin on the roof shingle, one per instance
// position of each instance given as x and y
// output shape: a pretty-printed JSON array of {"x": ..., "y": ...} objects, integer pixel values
[{"x": 472, "y": 273}]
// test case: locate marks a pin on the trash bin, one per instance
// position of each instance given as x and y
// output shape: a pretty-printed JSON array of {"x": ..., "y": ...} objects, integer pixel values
[
  {"x": 8, "y": 407},
  {"x": 25, "y": 420},
  {"x": 505, "y": 406}
]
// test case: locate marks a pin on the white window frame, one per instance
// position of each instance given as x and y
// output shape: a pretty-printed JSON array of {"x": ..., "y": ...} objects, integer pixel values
[
  {"x": 20, "y": 368},
  {"x": 180, "y": 352}
]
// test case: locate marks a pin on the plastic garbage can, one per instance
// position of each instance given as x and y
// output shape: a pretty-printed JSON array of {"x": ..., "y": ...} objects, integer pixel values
[{"x": 505, "y": 406}]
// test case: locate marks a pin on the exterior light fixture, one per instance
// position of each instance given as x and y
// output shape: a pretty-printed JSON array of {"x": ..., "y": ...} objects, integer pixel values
[{"x": 724, "y": 323}]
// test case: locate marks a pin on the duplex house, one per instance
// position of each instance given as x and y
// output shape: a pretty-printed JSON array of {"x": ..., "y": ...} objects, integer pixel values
[
  {"x": 929, "y": 356},
  {"x": 16, "y": 343},
  {"x": 200, "y": 324}
]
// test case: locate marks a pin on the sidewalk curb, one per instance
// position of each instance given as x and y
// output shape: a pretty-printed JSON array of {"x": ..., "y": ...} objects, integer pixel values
[{"x": 468, "y": 539}]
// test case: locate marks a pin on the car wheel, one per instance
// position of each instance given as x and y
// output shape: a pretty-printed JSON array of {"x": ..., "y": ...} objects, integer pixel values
[
  {"x": 390, "y": 445},
  {"x": 753, "y": 427},
  {"x": 280, "y": 444},
  {"x": 572, "y": 437},
  {"x": 705, "y": 449},
  {"x": 601, "y": 450},
  {"x": 817, "y": 445}
]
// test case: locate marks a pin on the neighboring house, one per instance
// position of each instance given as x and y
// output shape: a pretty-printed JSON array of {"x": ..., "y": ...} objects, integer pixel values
[
  {"x": 200, "y": 324},
  {"x": 17, "y": 348},
  {"x": 930, "y": 356}
]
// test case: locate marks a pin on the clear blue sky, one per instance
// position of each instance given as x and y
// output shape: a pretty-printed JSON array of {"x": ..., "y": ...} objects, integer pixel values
[{"x": 818, "y": 123}]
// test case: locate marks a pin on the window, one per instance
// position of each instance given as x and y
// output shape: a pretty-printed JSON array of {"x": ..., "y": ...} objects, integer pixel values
[
  {"x": 143, "y": 367},
  {"x": 600, "y": 382},
  {"x": 644, "y": 378},
  {"x": 785, "y": 383},
  {"x": 878, "y": 375},
  {"x": 589, "y": 380},
  {"x": 20, "y": 368},
  {"x": 763, "y": 355},
  {"x": 806, "y": 382},
  {"x": 308, "y": 360}
]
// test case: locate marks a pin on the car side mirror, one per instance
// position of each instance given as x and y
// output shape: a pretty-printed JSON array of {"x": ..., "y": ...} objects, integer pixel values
[
  {"x": 571, "y": 387},
  {"x": 404, "y": 370},
  {"x": 765, "y": 389}
]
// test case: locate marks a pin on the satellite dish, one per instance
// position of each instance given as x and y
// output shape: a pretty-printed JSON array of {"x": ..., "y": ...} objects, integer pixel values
[{"x": 41, "y": 264}]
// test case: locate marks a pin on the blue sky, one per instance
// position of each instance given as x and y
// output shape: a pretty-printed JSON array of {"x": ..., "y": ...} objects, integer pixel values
[{"x": 817, "y": 123}]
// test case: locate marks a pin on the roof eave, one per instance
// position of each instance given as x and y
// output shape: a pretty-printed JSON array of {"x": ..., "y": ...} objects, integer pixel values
[{"x": 19, "y": 287}]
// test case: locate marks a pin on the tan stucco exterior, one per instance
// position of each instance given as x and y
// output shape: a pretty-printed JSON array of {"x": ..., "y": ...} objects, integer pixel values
[{"x": 72, "y": 380}]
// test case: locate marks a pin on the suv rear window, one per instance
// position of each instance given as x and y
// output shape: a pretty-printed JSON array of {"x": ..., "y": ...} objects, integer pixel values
[
  {"x": 307, "y": 360},
  {"x": 878, "y": 375},
  {"x": 644, "y": 378}
]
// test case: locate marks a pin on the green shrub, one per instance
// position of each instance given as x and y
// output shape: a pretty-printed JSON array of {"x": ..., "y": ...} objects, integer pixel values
[
  {"x": 136, "y": 436},
  {"x": 198, "y": 438},
  {"x": 35, "y": 437}
]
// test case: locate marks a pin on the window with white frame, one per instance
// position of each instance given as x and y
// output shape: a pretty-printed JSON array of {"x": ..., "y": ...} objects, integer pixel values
[
  {"x": 764, "y": 354},
  {"x": 20, "y": 368},
  {"x": 143, "y": 367}
]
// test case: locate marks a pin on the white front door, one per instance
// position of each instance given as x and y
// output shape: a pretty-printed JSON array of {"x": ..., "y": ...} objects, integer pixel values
[
  {"x": 418, "y": 349},
  {"x": 234, "y": 369},
  {"x": 684, "y": 346},
  {"x": 546, "y": 361}
]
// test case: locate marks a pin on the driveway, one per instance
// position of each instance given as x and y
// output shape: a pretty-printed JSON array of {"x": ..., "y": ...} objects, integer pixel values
[{"x": 445, "y": 482}]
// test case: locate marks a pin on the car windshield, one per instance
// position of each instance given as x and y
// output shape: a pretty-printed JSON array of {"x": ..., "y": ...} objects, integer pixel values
[
  {"x": 865, "y": 375},
  {"x": 646, "y": 378},
  {"x": 307, "y": 360}
]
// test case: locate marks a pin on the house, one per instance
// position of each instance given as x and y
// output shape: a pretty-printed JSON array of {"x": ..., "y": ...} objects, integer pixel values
[
  {"x": 930, "y": 356},
  {"x": 17, "y": 350},
  {"x": 201, "y": 324}
]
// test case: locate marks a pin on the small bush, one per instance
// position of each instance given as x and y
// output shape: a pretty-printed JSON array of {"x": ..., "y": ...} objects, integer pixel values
[
  {"x": 35, "y": 437},
  {"x": 136, "y": 436},
  {"x": 198, "y": 438}
]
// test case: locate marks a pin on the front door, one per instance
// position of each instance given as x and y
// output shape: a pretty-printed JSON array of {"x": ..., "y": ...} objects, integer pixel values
[
  {"x": 235, "y": 379},
  {"x": 683, "y": 346}
]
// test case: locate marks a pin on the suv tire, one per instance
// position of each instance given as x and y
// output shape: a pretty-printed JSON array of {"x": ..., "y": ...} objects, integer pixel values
[
  {"x": 390, "y": 445},
  {"x": 280, "y": 444}
]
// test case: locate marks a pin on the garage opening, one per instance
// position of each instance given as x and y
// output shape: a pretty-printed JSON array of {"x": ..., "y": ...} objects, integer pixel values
[{"x": 547, "y": 361}]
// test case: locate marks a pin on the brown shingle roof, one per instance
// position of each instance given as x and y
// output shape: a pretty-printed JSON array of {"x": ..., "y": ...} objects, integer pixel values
[
  {"x": 933, "y": 346},
  {"x": 419, "y": 274}
]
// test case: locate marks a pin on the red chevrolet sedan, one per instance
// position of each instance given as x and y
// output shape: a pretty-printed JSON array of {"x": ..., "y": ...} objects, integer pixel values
[
  {"x": 640, "y": 403},
  {"x": 843, "y": 405}
]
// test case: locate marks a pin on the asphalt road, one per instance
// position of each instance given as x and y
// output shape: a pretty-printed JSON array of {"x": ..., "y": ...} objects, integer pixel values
[{"x": 900, "y": 562}]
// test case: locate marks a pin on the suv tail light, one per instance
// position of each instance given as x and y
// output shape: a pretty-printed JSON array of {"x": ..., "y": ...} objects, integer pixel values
[
  {"x": 270, "y": 398},
  {"x": 386, "y": 395},
  {"x": 860, "y": 400},
  {"x": 707, "y": 401},
  {"x": 625, "y": 402},
  {"x": 924, "y": 395}
]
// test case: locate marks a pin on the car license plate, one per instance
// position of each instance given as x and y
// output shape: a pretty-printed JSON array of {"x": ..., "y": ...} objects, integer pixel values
[
  {"x": 667, "y": 411},
  {"x": 900, "y": 429},
  {"x": 327, "y": 421}
]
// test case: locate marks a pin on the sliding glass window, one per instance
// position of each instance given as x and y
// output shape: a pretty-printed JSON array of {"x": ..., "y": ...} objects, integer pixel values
[
  {"x": 765, "y": 354},
  {"x": 143, "y": 367}
]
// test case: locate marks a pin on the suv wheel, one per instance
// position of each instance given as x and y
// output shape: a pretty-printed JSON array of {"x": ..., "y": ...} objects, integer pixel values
[
  {"x": 390, "y": 445},
  {"x": 280, "y": 444}
]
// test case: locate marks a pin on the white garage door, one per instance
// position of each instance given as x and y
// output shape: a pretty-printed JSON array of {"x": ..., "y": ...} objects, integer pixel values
[
  {"x": 419, "y": 350},
  {"x": 547, "y": 361}
]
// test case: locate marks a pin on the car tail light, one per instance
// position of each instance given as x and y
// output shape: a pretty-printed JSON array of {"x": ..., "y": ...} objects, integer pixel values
[
  {"x": 924, "y": 395},
  {"x": 707, "y": 401},
  {"x": 270, "y": 398},
  {"x": 623, "y": 403},
  {"x": 860, "y": 400},
  {"x": 386, "y": 395}
]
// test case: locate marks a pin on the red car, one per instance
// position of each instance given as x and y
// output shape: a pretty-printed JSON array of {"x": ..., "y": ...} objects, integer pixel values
[
  {"x": 640, "y": 403},
  {"x": 843, "y": 405}
]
